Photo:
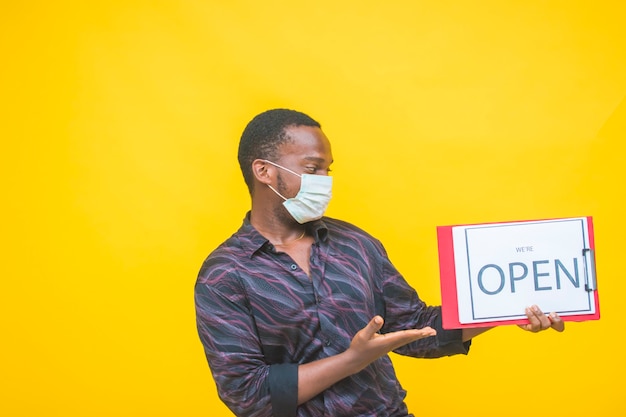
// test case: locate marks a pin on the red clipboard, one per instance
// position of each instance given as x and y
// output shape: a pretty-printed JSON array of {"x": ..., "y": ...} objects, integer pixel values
[{"x": 449, "y": 287}]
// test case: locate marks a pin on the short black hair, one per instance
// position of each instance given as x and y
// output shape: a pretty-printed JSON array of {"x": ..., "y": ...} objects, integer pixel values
[{"x": 264, "y": 134}]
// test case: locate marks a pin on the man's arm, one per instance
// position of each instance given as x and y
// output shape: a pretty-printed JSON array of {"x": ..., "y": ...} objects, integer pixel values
[
  {"x": 366, "y": 346},
  {"x": 244, "y": 378}
]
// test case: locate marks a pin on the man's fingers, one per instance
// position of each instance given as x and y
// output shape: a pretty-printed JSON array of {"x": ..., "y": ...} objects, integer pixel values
[
  {"x": 426, "y": 332},
  {"x": 556, "y": 322},
  {"x": 397, "y": 338},
  {"x": 538, "y": 321},
  {"x": 394, "y": 340}
]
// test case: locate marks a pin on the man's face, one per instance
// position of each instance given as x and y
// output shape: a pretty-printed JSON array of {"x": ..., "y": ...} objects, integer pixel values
[{"x": 307, "y": 153}]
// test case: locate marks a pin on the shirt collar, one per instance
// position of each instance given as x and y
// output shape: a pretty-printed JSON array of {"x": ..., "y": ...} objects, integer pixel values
[{"x": 252, "y": 241}]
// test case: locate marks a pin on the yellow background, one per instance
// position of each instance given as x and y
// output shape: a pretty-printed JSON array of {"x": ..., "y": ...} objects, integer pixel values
[{"x": 120, "y": 125}]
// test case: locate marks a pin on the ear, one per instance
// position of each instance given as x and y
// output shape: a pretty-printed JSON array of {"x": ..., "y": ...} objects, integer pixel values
[{"x": 262, "y": 171}]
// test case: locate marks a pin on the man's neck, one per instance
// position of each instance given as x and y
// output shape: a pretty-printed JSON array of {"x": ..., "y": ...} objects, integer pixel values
[{"x": 276, "y": 230}]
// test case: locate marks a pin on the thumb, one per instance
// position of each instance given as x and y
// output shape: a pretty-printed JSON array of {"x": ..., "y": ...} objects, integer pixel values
[
  {"x": 373, "y": 327},
  {"x": 556, "y": 322}
]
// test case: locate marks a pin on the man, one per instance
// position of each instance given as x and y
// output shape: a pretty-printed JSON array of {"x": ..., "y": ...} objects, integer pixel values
[{"x": 297, "y": 312}]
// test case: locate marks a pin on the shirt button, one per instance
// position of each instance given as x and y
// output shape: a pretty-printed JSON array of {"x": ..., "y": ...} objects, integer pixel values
[
  {"x": 294, "y": 267},
  {"x": 327, "y": 342}
]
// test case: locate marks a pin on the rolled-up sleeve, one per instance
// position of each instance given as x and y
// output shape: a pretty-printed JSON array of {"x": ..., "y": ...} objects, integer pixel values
[{"x": 283, "y": 380}]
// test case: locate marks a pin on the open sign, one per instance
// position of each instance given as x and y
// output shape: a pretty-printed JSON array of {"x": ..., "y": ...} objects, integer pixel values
[
  {"x": 519, "y": 271},
  {"x": 491, "y": 272}
]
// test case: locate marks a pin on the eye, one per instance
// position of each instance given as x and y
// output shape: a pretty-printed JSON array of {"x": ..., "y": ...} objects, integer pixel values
[
  {"x": 321, "y": 171},
  {"x": 317, "y": 169}
]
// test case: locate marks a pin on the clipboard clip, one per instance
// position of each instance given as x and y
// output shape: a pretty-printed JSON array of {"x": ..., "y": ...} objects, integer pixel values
[{"x": 589, "y": 259}]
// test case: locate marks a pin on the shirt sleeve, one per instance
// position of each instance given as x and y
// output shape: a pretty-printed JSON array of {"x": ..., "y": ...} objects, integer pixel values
[
  {"x": 403, "y": 309},
  {"x": 245, "y": 382}
]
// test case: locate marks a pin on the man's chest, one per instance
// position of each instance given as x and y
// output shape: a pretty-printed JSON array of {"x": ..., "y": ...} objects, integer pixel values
[{"x": 293, "y": 309}]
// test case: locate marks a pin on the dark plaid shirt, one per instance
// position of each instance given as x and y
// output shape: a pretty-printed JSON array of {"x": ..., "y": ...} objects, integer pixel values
[{"x": 259, "y": 316}]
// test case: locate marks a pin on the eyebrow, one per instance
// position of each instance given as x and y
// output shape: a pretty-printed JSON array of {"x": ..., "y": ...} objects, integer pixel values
[{"x": 316, "y": 159}]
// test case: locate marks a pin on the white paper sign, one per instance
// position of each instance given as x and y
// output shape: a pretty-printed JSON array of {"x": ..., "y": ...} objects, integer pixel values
[{"x": 502, "y": 268}]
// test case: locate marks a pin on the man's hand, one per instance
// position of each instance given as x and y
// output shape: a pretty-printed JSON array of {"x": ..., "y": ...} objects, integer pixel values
[
  {"x": 369, "y": 345},
  {"x": 538, "y": 321}
]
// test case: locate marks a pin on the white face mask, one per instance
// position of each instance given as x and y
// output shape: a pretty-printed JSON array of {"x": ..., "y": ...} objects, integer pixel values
[{"x": 311, "y": 201}]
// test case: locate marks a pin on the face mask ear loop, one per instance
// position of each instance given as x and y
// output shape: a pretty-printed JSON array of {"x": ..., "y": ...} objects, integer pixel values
[
  {"x": 282, "y": 167},
  {"x": 279, "y": 194}
]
